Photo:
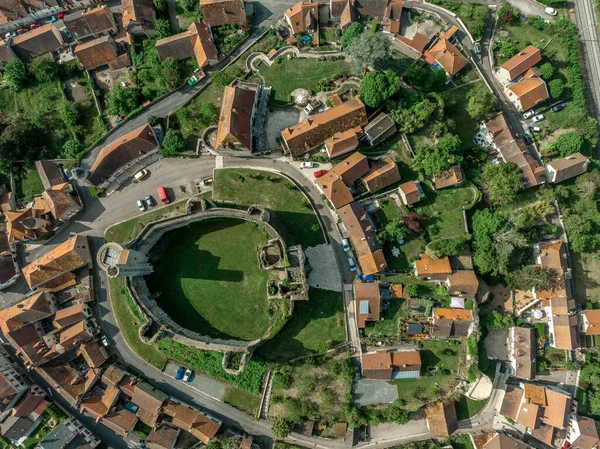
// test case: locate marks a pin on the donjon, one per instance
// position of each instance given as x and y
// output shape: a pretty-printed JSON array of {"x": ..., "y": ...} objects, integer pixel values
[{"x": 120, "y": 262}]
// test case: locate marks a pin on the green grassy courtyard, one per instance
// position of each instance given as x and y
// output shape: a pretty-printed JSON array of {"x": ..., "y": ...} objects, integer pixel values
[
  {"x": 291, "y": 213},
  {"x": 30, "y": 185},
  {"x": 314, "y": 323},
  {"x": 439, "y": 374},
  {"x": 209, "y": 280},
  {"x": 287, "y": 75}
]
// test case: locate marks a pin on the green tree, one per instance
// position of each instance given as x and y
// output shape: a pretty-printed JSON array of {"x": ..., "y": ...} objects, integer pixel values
[
  {"x": 502, "y": 181},
  {"x": 480, "y": 102},
  {"x": 417, "y": 76},
  {"x": 528, "y": 277},
  {"x": 350, "y": 33},
  {"x": 15, "y": 74},
  {"x": 20, "y": 141},
  {"x": 173, "y": 143},
  {"x": 411, "y": 290},
  {"x": 556, "y": 87},
  {"x": 162, "y": 28},
  {"x": 547, "y": 70},
  {"x": 71, "y": 149},
  {"x": 376, "y": 87},
  {"x": 43, "y": 69},
  {"x": 471, "y": 346},
  {"x": 508, "y": 50},
  {"x": 434, "y": 160},
  {"x": 568, "y": 143},
  {"x": 190, "y": 5},
  {"x": 581, "y": 233},
  {"x": 413, "y": 115},
  {"x": 171, "y": 73},
  {"x": 537, "y": 209},
  {"x": 393, "y": 231},
  {"x": 452, "y": 246},
  {"x": 160, "y": 5},
  {"x": 436, "y": 81},
  {"x": 366, "y": 50},
  {"x": 121, "y": 100},
  {"x": 68, "y": 113},
  {"x": 588, "y": 183},
  {"x": 281, "y": 428},
  {"x": 497, "y": 320}
]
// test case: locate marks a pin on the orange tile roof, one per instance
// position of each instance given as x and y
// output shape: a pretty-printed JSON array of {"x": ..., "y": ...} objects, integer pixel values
[
  {"x": 529, "y": 91},
  {"x": 448, "y": 56},
  {"x": 302, "y": 16},
  {"x": 410, "y": 191},
  {"x": 367, "y": 291},
  {"x": 451, "y": 177},
  {"x": 556, "y": 412},
  {"x": 68, "y": 256},
  {"x": 219, "y": 12},
  {"x": 592, "y": 318},
  {"x": 334, "y": 184},
  {"x": 70, "y": 315},
  {"x": 383, "y": 174},
  {"x": 522, "y": 61},
  {"x": 441, "y": 419},
  {"x": 342, "y": 143},
  {"x": 452, "y": 314},
  {"x": 377, "y": 365},
  {"x": 427, "y": 266},
  {"x": 97, "y": 52},
  {"x": 463, "y": 283},
  {"x": 312, "y": 132},
  {"x": 235, "y": 118},
  {"x": 363, "y": 236}
]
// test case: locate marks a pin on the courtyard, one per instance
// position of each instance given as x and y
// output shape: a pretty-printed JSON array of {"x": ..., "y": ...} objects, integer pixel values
[{"x": 209, "y": 281}]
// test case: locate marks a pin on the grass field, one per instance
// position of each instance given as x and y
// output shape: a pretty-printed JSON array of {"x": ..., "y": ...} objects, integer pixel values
[
  {"x": 586, "y": 274},
  {"x": 291, "y": 214},
  {"x": 467, "y": 408},
  {"x": 416, "y": 392},
  {"x": 30, "y": 185},
  {"x": 209, "y": 279},
  {"x": 291, "y": 74},
  {"x": 127, "y": 230},
  {"x": 389, "y": 326},
  {"x": 444, "y": 209},
  {"x": 242, "y": 400},
  {"x": 130, "y": 319},
  {"x": 313, "y": 323}
]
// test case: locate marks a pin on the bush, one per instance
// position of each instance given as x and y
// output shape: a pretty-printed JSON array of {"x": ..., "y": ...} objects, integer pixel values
[
  {"x": 281, "y": 428},
  {"x": 351, "y": 32},
  {"x": 556, "y": 87},
  {"x": 411, "y": 290},
  {"x": 97, "y": 192},
  {"x": 568, "y": 143},
  {"x": 547, "y": 70},
  {"x": 173, "y": 143},
  {"x": 15, "y": 73}
]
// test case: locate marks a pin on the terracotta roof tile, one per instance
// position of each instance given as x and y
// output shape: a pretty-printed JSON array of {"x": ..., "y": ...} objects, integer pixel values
[
  {"x": 219, "y": 12},
  {"x": 235, "y": 118},
  {"x": 441, "y": 419},
  {"x": 451, "y": 177},
  {"x": 93, "y": 22},
  {"x": 97, "y": 52},
  {"x": 568, "y": 167},
  {"x": 529, "y": 91},
  {"x": 410, "y": 191},
  {"x": 37, "y": 42},
  {"x": 383, "y": 174},
  {"x": 463, "y": 283},
  {"x": 428, "y": 266},
  {"x": 448, "y": 56},
  {"x": 368, "y": 305},
  {"x": 522, "y": 61}
]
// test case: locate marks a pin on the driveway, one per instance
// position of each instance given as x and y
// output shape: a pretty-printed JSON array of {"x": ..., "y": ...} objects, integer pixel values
[
  {"x": 203, "y": 384},
  {"x": 370, "y": 392}
]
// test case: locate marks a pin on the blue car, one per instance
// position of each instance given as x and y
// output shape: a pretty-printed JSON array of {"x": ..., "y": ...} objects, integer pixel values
[
  {"x": 558, "y": 107},
  {"x": 179, "y": 373}
]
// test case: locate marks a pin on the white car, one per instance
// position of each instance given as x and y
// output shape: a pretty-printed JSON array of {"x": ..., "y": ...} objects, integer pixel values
[
  {"x": 308, "y": 109},
  {"x": 538, "y": 118},
  {"x": 352, "y": 264},
  {"x": 550, "y": 11},
  {"x": 141, "y": 205},
  {"x": 529, "y": 114},
  {"x": 104, "y": 341},
  {"x": 187, "y": 375},
  {"x": 307, "y": 164},
  {"x": 345, "y": 245}
]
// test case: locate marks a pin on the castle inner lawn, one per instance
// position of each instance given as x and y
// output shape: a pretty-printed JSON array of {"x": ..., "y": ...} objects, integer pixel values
[{"x": 209, "y": 280}]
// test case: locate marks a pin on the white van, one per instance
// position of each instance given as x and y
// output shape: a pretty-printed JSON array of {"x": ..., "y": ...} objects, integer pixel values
[{"x": 550, "y": 11}]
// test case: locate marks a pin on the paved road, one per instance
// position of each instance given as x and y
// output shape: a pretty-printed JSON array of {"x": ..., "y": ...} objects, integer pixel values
[
  {"x": 586, "y": 20},
  {"x": 527, "y": 7}
]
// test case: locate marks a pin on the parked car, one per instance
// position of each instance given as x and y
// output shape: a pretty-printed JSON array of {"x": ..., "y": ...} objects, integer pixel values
[
  {"x": 538, "y": 118},
  {"x": 366, "y": 277},
  {"x": 66, "y": 32},
  {"x": 352, "y": 264},
  {"x": 502, "y": 367},
  {"x": 345, "y": 245},
  {"x": 162, "y": 194},
  {"x": 50, "y": 20},
  {"x": 192, "y": 80},
  {"x": 179, "y": 373},
  {"x": 187, "y": 375},
  {"x": 150, "y": 201},
  {"x": 141, "y": 205},
  {"x": 357, "y": 374},
  {"x": 60, "y": 15},
  {"x": 207, "y": 181},
  {"x": 558, "y": 107},
  {"x": 529, "y": 114},
  {"x": 307, "y": 164},
  {"x": 140, "y": 175},
  {"x": 528, "y": 139},
  {"x": 33, "y": 26},
  {"x": 320, "y": 173},
  {"x": 308, "y": 109},
  {"x": 104, "y": 341},
  {"x": 550, "y": 11},
  {"x": 535, "y": 129}
]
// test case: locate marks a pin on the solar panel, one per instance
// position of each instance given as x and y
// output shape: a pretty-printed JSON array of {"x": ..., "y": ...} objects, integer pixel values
[{"x": 364, "y": 307}]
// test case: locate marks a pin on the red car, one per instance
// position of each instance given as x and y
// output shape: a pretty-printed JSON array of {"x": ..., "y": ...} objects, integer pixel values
[
  {"x": 320, "y": 173},
  {"x": 60, "y": 15}
]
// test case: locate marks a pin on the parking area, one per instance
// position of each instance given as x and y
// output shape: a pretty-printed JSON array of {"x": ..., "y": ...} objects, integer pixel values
[
  {"x": 496, "y": 344},
  {"x": 278, "y": 119},
  {"x": 200, "y": 382},
  {"x": 370, "y": 392}
]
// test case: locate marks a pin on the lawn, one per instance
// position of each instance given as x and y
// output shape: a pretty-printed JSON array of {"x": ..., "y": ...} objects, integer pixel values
[
  {"x": 291, "y": 213},
  {"x": 388, "y": 212},
  {"x": 586, "y": 273},
  {"x": 388, "y": 327},
  {"x": 30, "y": 185},
  {"x": 287, "y": 75},
  {"x": 467, "y": 408},
  {"x": 456, "y": 108},
  {"x": 415, "y": 393},
  {"x": 444, "y": 209},
  {"x": 127, "y": 230},
  {"x": 328, "y": 35},
  {"x": 209, "y": 280},
  {"x": 37, "y": 435},
  {"x": 313, "y": 323},
  {"x": 130, "y": 319},
  {"x": 409, "y": 251},
  {"x": 242, "y": 400}
]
